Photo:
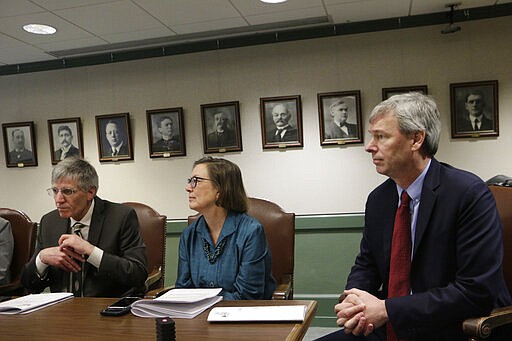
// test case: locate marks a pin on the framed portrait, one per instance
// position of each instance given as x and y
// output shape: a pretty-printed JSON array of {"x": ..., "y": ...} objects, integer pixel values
[
  {"x": 65, "y": 138},
  {"x": 474, "y": 109},
  {"x": 221, "y": 127},
  {"x": 339, "y": 115},
  {"x": 166, "y": 133},
  {"x": 20, "y": 144},
  {"x": 388, "y": 92},
  {"x": 114, "y": 137},
  {"x": 281, "y": 121}
]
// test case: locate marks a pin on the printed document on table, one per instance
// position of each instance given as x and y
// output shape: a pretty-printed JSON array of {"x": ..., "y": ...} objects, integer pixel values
[
  {"x": 178, "y": 303},
  {"x": 29, "y": 303},
  {"x": 258, "y": 313}
]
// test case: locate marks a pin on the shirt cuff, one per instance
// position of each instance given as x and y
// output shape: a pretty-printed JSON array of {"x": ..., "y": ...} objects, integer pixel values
[
  {"x": 95, "y": 257},
  {"x": 40, "y": 266}
]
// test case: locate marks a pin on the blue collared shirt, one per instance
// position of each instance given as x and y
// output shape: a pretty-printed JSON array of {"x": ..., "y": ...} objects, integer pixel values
[
  {"x": 414, "y": 191},
  {"x": 243, "y": 269}
]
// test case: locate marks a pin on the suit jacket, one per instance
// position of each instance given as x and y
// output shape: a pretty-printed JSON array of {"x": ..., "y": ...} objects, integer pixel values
[
  {"x": 162, "y": 145},
  {"x": 333, "y": 131},
  {"x": 24, "y": 156},
  {"x": 73, "y": 151},
  {"x": 464, "y": 124},
  {"x": 456, "y": 269},
  {"x": 6, "y": 251},
  {"x": 114, "y": 229},
  {"x": 291, "y": 134},
  {"x": 123, "y": 151},
  {"x": 226, "y": 139}
]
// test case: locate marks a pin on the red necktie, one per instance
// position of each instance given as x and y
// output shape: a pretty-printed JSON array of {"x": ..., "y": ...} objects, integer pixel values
[{"x": 400, "y": 265}]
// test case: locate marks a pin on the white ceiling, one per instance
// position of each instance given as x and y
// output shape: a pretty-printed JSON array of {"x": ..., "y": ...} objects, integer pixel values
[{"x": 107, "y": 25}]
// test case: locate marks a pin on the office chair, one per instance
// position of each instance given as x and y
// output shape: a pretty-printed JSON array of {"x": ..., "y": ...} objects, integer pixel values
[
  {"x": 24, "y": 232},
  {"x": 152, "y": 228},
  {"x": 279, "y": 228},
  {"x": 480, "y": 328}
]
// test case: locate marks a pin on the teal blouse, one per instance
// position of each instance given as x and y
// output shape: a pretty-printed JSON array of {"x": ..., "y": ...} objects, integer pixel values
[{"x": 240, "y": 263}]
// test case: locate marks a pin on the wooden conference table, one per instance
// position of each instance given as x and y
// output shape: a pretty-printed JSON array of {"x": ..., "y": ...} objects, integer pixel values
[{"x": 79, "y": 319}]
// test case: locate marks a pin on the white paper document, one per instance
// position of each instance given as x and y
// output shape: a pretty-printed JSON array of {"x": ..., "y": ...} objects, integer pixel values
[
  {"x": 258, "y": 313},
  {"x": 177, "y": 303},
  {"x": 29, "y": 303}
]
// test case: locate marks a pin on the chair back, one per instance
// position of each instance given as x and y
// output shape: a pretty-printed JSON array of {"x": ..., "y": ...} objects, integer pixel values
[
  {"x": 279, "y": 229},
  {"x": 152, "y": 228},
  {"x": 24, "y": 232},
  {"x": 503, "y": 197}
]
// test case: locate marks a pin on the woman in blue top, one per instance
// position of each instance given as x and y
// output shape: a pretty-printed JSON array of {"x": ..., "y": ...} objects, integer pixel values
[{"x": 225, "y": 248}]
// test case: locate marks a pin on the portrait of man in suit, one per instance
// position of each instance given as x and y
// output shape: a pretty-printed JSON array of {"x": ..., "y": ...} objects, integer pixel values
[
  {"x": 65, "y": 139},
  {"x": 338, "y": 127},
  {"x": 474, "y": 109},
  {"x": 169, "y": 137},
  {"x": 474, "y": 118},
  {"x": 283, "y": 131},
  {"x": 222, "y": 134},
  {"x": 221, "y": 127},
  {"x": 19, "y": 153}
]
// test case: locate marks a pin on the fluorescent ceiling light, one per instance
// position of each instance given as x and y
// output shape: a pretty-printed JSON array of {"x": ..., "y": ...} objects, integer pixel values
[
  {"x": 273, "y": 1},
  {"x": 39, "y": 29}
]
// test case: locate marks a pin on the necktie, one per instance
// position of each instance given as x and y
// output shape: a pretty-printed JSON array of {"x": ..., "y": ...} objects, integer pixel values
[
  {"x": 279, "y": 134},
  {"x": 77, "y": 277},
  {"x": 476, "y": 124},
  {"x": 400, "y": 264},
  {"x": 114, "y": 152}
]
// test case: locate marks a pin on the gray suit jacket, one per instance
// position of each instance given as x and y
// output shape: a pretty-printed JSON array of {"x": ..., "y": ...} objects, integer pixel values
[
  {"x": 114, "y": 229},
  {"x": 6, "y": 250}
]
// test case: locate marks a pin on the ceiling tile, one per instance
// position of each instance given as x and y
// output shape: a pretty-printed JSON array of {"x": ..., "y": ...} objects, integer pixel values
[
  {"x": 293, "y": 14},
  {"x": 18, "y": 7},
  {"x": 207, "y": 26},
  {"x": 179, "y": 12},
  {"x": 22, "y": 54},
  {"x": 13, "y": 27},
  {"x": 249, "y": 8},
  {"x": 367, "y": 10},
  {"x": 106, "y": 19}
]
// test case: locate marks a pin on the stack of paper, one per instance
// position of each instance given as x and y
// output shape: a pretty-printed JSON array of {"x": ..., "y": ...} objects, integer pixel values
[
  {"x": 177, "y": 303},
  {"x": 258, "y": 313},
  {"x": 33, "y": 302}
]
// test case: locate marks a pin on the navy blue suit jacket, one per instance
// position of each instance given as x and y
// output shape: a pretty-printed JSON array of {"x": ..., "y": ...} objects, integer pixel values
[{"x": 456, "y": 269}]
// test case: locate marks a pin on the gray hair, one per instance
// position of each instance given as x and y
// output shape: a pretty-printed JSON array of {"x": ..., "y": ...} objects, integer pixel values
[
  {"x": 415, "y": 112},
  {"x": 76, "y": 169}
]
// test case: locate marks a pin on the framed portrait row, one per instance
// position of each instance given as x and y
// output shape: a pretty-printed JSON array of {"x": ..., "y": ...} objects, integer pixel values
[{"x": 473, "y": 106}]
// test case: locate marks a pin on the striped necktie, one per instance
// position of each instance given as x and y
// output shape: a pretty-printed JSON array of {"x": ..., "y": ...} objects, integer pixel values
[{"x": 77, "y": 281}]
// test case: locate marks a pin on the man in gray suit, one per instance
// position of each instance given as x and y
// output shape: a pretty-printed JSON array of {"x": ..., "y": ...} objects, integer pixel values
[{"x": 88, "y": 246}]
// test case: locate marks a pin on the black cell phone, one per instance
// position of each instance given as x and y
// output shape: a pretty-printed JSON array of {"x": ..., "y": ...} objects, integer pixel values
[{"x": 120, "y": 307}]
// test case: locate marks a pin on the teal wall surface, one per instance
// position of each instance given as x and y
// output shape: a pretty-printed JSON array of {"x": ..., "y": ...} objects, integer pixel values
[{"x": 325, "y": 249}]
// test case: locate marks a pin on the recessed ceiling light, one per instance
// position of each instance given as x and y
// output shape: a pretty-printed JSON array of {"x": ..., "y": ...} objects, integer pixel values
[
  {"x": 273, "y": 1},
  {"x": 39, "y": 29}
]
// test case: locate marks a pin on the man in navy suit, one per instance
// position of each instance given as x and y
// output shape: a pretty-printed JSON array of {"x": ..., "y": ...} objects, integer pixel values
[
  {"x": 109, "y": 252},
  {"x": 457, "y": 246}
]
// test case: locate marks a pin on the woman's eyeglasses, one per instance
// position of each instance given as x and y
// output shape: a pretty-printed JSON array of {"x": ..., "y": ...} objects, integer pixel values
[{"x": 195, "y": 179}]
